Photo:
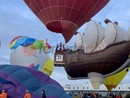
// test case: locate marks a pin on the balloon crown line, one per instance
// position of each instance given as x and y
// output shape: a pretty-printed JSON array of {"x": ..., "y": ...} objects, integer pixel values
[{"x": 29, "y": 42}]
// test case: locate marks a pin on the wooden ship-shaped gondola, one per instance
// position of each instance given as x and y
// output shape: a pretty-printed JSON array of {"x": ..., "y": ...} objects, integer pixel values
[
  {"x": 79, "y": 64},
  {"x": 107, "y": 61},
  {"x": 85, "y": 63}
]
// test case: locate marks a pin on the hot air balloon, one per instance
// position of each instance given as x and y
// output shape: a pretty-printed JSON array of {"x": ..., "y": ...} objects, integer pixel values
[
  {"x": 97, "y": 65},
  {"x": 17, "y": 79},
  {"x": 65, "y": 16},
  {"x": 32, "y": 53}
]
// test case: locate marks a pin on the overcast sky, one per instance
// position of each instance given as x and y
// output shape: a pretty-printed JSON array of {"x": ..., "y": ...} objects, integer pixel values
[{"x": 17, "y": 19}]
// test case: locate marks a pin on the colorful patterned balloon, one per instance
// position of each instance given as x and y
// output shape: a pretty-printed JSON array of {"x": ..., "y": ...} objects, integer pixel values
[{"x": 30, "y": 52}]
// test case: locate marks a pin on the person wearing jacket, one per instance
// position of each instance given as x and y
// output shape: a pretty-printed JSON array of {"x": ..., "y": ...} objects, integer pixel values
[
  {"x": 27, "y": 94},
  {"x": 3, "y": 94}
]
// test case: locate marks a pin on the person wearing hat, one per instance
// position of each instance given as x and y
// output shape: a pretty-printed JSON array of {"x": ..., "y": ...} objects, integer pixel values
[
  {"x": 3, "y": 94},
  {"x": 27, "y": 94}
]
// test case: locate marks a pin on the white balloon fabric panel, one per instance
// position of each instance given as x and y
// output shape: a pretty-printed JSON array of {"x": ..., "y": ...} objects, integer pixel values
[
  {"x": 113, "y": 33},
  {"x": 93, "y": 35},
  {"x": 18, "y": 57},
  {"x": 78, "y": 43}
]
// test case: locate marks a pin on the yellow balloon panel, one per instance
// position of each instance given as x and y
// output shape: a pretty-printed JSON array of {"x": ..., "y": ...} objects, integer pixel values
[
  {"x": 112, "y": 81},
  {"x": 48, "y": 67}
]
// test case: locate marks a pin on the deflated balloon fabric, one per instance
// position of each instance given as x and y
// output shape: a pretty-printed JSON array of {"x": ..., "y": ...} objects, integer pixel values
[{"x": 17, "y": 79}]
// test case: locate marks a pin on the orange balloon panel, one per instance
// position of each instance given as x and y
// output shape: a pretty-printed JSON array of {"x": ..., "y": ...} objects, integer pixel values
[{"x": 65, "y": 16}]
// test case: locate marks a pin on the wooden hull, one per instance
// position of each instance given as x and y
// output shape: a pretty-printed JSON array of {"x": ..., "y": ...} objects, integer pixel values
[{"x": 79, "y": 64}]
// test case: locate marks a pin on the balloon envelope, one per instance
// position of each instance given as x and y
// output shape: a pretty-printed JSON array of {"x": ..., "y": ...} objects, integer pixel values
[
  {"x": 93, "y": 35},
  {"x": 113, "y": 33},
  {"x": 65, "y": 16},
  {"x": 18, "y": 57},
  {"x": 17, "y": 79},
  {"x": 29, "y": 52}
]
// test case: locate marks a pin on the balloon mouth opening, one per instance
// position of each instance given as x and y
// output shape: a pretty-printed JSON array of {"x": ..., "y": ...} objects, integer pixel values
[
  {"x": 66, "y": 28},
  {"x": 62, "y": 26}
]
